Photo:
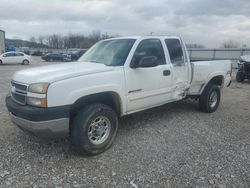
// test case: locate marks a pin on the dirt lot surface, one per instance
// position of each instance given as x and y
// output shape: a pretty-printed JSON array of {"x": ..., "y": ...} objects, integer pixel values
[{"x": 171, "y": 146}]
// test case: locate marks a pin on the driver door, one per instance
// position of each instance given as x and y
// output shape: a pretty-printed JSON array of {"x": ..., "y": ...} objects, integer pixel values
[{"x": 150, "y": 86}]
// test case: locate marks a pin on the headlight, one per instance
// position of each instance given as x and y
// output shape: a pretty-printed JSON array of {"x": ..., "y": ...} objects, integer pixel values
[
  {"x": 39, "y": 102},
  {"x": 41, "y": 88}
]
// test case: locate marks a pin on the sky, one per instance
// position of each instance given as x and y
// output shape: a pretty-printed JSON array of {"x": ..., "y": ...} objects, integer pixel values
[{"x": 206, "y": 22}]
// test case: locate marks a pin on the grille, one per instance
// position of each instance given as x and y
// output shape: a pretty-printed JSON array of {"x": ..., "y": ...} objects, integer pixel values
[{"x": 19, "y": 92}]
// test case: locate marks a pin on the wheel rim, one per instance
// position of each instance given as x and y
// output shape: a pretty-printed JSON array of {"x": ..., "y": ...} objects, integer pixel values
[
  {"x": 99, "y": 130},
  {"x": 213, "y": 99}
]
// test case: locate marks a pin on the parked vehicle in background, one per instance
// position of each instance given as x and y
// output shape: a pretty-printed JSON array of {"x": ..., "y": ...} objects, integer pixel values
[
  {"x": 75, "y": 55},
  {"x": 114, "y": 78},
  {"x": 56, "y": 57},
  {"x": 37, "y": 53},
  {"x": 25, "y": 50},
  {"x": 243, "y": 68},
  {"x": 15, "y": 58}
]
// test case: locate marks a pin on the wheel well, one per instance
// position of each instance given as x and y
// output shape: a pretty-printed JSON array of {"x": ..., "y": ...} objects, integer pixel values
[
  {"x": 111, "y": 99},
  {"x": 217, "y": 80}
]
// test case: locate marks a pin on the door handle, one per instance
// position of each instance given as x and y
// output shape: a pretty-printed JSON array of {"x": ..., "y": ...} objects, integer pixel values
[{"x": 166, "y": 72}]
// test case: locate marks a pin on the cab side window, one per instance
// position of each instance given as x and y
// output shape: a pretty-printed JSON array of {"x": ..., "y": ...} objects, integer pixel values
[
  {"x": 149, "y": 47},
  {"x": 175, "y": 51}
]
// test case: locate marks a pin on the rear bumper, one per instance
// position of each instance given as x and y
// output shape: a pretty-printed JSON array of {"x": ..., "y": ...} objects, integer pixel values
[{"x": 41, "y": 122}]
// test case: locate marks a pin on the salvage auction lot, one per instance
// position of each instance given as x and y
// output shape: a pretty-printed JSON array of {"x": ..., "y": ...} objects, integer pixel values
[{"x": 170, "y": 146}]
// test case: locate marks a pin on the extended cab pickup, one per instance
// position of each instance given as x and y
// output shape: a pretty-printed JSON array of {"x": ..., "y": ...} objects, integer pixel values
[{"x": 114, "y": 78}]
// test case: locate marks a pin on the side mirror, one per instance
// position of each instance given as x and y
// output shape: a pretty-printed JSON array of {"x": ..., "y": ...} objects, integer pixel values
[
  {"x": 179, "y": 64},
  {"x": 148, "y": 61}
]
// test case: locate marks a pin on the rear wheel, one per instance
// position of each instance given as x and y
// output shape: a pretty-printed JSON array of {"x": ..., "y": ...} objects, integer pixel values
[
  {"x": 239, "y": 77},
  {"x": 210, "y": 99},
  {"x": 93, "y": 129},
  {"x": 25, "y": 62}
]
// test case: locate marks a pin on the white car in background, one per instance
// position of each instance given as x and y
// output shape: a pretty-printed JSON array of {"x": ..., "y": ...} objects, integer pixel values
[{"x": 15, "y": 58}]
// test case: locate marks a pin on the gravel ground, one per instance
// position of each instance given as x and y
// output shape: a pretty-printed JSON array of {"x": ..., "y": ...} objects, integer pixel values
[{"x": 171, "y": 146}]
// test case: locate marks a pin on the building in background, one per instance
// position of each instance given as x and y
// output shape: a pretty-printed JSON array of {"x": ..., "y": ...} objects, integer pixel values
[{"x": 2, "y": 41}]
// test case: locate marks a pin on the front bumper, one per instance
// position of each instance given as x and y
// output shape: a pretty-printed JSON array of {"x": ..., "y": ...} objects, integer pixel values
[{"x": 45, "y": 123}]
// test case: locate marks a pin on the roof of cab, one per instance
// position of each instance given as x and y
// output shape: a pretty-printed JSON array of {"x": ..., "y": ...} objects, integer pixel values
[{"x": 146, "y": 37}]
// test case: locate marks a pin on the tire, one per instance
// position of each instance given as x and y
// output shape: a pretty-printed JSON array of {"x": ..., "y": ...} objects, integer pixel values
[
  {"x": 84, "y": 132},
  {"x": 239, "y": 77},
  {"x": 25, "y": 62},
  {"x": 1, "y": 62},
  {"x": 210, "y": 99}
]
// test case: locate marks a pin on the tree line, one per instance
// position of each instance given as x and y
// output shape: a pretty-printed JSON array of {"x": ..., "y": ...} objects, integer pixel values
[{"x": 57, "y": 41}]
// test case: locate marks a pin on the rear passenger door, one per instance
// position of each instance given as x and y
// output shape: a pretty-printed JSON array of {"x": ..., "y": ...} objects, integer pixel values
[{"x": 180, "y": 65}]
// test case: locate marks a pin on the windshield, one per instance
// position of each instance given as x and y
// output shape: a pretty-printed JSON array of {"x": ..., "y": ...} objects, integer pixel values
[{"x": 109, "y": 52}]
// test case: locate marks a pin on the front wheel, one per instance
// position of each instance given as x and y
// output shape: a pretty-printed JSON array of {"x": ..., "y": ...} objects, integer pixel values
[
  {"x": 1, "y": 62},
  {"x": 210, "y": 99},
  {"x": 93, "y": 129}
]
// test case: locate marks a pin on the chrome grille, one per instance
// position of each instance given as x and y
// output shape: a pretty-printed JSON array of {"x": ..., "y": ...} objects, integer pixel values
[{"x": 19, "y": 92}]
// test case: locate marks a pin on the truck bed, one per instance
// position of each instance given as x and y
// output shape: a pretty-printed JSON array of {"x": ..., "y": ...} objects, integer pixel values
[{"x": 204, "y": 71}]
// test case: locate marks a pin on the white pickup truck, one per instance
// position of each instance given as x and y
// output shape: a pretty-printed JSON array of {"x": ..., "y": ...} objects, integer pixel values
[{"x": 114, "y": 78}]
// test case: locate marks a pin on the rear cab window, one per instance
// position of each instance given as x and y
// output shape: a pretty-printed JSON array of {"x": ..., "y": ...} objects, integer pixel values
[{"x": 175, "y": 50}]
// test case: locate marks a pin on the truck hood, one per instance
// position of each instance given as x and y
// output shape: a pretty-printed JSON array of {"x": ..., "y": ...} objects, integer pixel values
[{"x": 53, "y": 73}]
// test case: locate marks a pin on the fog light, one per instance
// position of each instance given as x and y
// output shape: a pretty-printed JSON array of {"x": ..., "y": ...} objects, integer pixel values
[{"x": 39, "y": 102}]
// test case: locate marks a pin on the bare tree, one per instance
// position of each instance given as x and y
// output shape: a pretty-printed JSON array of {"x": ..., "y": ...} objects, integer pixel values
[
  {"x": 41, "y": 40},
  {"x": 195, "y": 45},
  {"x": 69, "y": 41},
  {"x": 32, "y": 39},
  {"x": 230, "y": 44},
  {"x": 95, "y": 36}
]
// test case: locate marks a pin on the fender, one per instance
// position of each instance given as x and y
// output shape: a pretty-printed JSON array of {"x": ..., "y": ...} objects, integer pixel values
[
  {"x": 210, "y": 77},
  {"x": 75, "y": 95},
  {"x": 67, "y": 92}
]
